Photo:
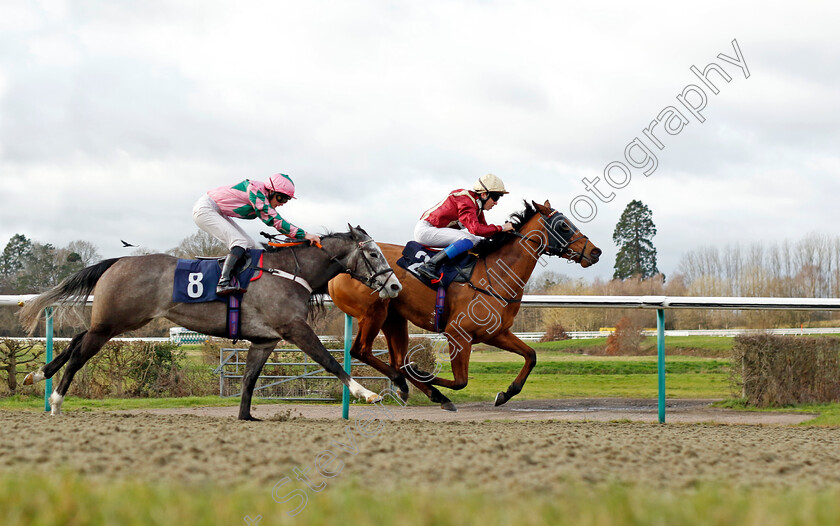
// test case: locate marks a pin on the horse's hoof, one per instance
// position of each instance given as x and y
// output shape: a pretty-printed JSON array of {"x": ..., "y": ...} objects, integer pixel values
[
  {"x": 373, "y": 398},
  {"x": 33, "y": 377},
  {"x": 500, "y": 399},
  {"x": 401, "y": 384},
  {"x": 403, "y": 395},
  {"x": 448, "y": 406},
  {"x": 250, "y": 418}
]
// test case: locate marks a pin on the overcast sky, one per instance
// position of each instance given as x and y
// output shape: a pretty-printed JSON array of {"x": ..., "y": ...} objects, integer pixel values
[{"x": 116, "y": 116}]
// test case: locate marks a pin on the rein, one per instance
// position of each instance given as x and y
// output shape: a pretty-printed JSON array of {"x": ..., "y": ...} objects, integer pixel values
[
  {"x": 291, "y": 244},
  {"x": 491, "y": 293}
]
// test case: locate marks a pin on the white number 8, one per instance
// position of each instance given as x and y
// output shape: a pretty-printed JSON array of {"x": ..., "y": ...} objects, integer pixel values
[{"x": 194, "y": 288}]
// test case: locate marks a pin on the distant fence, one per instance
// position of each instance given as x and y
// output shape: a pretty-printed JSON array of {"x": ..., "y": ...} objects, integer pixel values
[
  {"x": 284, "y": 377},
  {"x": 180, "y": 335},
  {"x": 659, "y": 303}
]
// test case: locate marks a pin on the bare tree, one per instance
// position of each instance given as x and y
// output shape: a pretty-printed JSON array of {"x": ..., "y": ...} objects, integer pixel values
[
  {"x": 87, "y": 252},
  {"x": 199, "y": 244},
  {"x": 15, "y": 352}
]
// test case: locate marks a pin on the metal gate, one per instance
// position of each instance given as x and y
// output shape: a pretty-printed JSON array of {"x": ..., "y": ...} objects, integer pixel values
[{"x": 289, "y": 374}]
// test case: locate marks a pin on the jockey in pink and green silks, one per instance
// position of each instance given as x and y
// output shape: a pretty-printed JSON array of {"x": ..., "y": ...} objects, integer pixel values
[{"x": 248, "y": 199}]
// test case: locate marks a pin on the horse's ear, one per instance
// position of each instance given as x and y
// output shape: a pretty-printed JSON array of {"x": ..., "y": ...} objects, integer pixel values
[
  {"x": 543, "y": 209},
  {"x": 352, "y": 231}
]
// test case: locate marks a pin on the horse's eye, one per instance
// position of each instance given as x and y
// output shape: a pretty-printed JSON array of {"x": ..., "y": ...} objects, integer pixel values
[{"x": 373, "y": 254}]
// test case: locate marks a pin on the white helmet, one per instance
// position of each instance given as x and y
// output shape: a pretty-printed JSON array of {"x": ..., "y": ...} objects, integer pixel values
[{"x": 489, "y": 183}]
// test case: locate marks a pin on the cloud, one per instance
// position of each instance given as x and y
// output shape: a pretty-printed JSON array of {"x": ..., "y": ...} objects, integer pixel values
[{"x": 115, "y": 117}]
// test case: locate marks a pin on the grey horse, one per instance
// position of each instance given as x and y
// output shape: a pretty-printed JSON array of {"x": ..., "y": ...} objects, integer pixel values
[{"x": 131, "y": 291}]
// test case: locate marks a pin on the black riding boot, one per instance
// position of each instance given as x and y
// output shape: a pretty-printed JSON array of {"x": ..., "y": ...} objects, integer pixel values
[
  {"x": 429, "y": 269},
  {"x": 224, "y": 287}
]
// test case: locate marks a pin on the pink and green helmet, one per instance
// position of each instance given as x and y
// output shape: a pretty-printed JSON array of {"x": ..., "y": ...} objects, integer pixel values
[{"x": 281, "y": 183}]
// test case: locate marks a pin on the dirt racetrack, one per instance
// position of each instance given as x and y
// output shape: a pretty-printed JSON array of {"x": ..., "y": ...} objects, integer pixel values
[{"x": 387, "y": 447}]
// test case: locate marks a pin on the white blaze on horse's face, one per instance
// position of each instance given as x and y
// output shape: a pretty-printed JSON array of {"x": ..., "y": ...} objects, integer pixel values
[{"x": 391, "y": 287}]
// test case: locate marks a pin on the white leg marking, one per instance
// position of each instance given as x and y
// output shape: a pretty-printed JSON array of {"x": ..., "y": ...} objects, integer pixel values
[
  {"x": 55, "y": 403},
  {"x": 358, "y": 391}
]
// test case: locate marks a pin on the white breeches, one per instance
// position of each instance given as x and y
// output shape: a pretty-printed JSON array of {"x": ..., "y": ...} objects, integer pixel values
[
  {"x": 432, "y": 236},
  {"x": 208, "y": 218}
]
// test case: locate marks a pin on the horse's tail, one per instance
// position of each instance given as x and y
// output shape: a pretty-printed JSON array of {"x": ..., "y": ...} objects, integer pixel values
[{"x": 75, "y": 288}]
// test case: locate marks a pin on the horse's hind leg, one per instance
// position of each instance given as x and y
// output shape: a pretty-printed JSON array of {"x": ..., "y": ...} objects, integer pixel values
[
  {"x": 395, "y": 329},
  {"x": 48, "y": 370},
  {"x": 369, "y": 326},
  {"x": 89, "y": 344}
]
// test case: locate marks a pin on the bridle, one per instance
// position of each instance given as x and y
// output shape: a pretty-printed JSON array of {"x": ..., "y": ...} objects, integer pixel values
[
  {"x": 369, "y": 280},
  {"x": 565, "y": 250},
  {"x": 552, "y": 249}
]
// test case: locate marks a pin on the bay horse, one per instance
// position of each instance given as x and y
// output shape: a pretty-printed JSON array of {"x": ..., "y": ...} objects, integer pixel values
[
  {"x": 131, "y": 291},
  {"x": 480, "y": 311}
]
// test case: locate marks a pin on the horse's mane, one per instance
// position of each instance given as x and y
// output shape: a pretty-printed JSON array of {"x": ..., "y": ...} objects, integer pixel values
[{"x": 493, "y": 243}]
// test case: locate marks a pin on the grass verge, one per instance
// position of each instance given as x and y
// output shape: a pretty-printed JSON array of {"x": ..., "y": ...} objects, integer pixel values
[
  {"x": 70, "y": 499},
  {"x": 829, "y": 414},
  {"x": 608, "y": 366},
  {"x": 485, "y": 386}
]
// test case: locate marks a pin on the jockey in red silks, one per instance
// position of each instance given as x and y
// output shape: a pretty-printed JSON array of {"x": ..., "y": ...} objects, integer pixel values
[
  {"x": 458, "y": 223},
  {"x": 213, "y": 213}
]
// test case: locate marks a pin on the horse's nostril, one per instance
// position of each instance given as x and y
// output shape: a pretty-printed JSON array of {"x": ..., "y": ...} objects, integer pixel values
[{"x": 394, "y": 286}]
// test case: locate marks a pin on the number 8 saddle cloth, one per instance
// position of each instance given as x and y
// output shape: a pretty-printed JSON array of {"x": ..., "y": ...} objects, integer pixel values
[{"x": 196, "y": 279}]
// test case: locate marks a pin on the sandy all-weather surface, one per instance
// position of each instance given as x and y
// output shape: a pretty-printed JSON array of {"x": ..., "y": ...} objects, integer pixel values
[{"x": 529, "y": 445}]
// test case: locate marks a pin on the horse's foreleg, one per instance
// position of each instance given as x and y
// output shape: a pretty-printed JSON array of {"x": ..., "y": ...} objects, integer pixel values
[
  {"x": 257, "y": 356},
  {"x": 509, "y": 342},
  {"x": 302, "y": 335}
]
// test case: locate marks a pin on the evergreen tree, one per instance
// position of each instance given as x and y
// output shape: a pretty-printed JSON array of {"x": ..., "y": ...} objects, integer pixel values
[
  {"x": 636, "y": 254},
  {"x": 17, "y": 251}
]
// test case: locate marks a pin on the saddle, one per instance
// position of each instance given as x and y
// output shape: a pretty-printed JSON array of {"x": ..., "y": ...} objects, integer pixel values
[{"x": 458, "y": 270}]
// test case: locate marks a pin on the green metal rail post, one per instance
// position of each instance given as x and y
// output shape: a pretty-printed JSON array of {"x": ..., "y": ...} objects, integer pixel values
[
  {"x": 348, "y": 340},
  {"x": 49, "y": 345},
  {"x": 660, "y": 368}
]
